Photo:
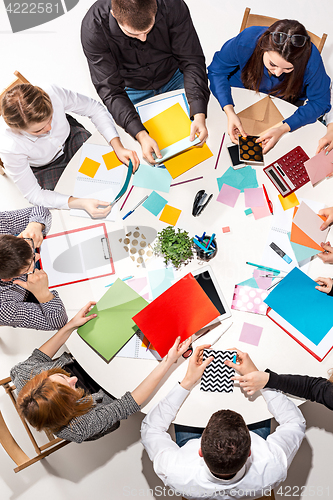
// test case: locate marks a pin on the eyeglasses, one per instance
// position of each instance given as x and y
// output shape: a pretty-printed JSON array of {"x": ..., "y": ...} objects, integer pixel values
[
  {"x": 279, "y": 37},
  {"x": 33, "y": 260}
]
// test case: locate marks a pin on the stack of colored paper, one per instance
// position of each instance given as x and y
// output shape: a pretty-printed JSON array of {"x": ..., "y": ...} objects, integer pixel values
[
  {"x": 305, "y": 235},
  {"x": 244, "y": 178}
]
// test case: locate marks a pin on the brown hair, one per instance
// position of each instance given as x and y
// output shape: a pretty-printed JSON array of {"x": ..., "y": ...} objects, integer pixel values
[
  {"x": 138, "y": 14},
  {"x": 225, "y": 443},
  {"x": 49, "y": 405},
  {"x": 290, "y": 88},
  {"x": 15, "y": 255},
  {"x": 25, "y": 104}
]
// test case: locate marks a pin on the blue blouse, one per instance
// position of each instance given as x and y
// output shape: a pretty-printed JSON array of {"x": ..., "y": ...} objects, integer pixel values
[{"x": 225, "y": 72}]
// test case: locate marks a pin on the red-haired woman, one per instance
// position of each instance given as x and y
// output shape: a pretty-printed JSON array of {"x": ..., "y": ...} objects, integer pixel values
[
  {"x": 38, "y": 138},
  {"x": 49, "y": 399},
  {"x": 279, "y": 61}
]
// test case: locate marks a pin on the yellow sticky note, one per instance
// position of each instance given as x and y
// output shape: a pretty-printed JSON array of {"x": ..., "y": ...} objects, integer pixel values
[
  {"x": 170, "y": 215},
  {"x": 89, "y": 167},
  {"x": 170, "y": 126},
  {"x": 111, "y": 160},
  {"x": 289, "y": 201},
  {"x": 186, "y": 160}
]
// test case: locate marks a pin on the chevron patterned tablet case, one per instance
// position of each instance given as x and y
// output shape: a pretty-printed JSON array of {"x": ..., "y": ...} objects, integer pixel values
[{"x": 216, "y": 377}]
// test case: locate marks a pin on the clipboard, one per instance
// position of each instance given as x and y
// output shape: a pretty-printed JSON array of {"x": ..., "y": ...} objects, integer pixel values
[{"x": 77, "y": 255}]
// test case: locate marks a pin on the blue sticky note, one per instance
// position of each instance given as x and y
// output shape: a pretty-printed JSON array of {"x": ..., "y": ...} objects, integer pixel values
[
  {"x": 308, "y": 310},
  {"x": 241, "y": 179},
  {"x": 155, "y": 203},
  {"x": 160, "y": 280},
  {"x": 152, "y": 178}
]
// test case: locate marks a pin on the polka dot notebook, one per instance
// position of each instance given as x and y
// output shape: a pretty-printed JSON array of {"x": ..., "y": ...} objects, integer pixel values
[
  {"x": 249, "y": 150},
  {"x": 249, "y": 299}
]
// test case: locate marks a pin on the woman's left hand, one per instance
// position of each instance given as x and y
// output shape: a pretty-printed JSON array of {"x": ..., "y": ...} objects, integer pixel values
[
  {"x": 178, "y": 349},
  {"x": 272, "y": 136},
  {"x": 81, "y": 317}
]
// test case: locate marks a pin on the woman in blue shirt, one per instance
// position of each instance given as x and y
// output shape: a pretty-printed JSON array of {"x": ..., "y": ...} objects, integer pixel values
[{"x": 280, "y": 61}]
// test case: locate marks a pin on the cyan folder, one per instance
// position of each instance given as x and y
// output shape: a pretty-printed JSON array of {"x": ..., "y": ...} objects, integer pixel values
[{"x": 297, "y": 301}]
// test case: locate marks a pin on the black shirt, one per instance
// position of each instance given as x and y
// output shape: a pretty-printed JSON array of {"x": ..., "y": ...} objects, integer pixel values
[
  {"x": 117, "y": 61},
  {"x": 313, "y": 388}
]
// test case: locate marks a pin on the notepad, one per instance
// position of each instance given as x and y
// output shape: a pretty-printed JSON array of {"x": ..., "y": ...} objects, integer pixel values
[
  {"x": 182, "y": 310},
  {"x": 114, "y": 326}
]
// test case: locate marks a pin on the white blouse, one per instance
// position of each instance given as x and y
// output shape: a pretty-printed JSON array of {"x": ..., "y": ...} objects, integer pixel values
[{"x": 19, "y": 150}]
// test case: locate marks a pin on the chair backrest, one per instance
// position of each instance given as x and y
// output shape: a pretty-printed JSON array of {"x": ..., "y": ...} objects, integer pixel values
[
  {"x": 12, "y": 447},
  {"x": 258, "y": 20},
  {"x": 18, "y": 80}
]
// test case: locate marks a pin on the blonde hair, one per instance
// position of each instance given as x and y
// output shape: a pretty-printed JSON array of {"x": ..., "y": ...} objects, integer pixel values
[
  {"x": 49, "y": 405},
  {"x": 25, "y": 104}
]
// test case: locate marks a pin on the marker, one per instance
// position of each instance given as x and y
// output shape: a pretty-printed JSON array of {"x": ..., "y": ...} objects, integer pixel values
[
  {"x": 264, "y": 267},
  {"x": 211, "y": 239},
  {"x": 234, "y": 359},
  {"x": 136, "y": 206},
  {"x": 280, "y": 252},
  {"x": 269, "y": 203}
]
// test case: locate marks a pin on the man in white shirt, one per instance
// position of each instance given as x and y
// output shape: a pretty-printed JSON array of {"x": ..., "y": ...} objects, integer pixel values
[
  {"x": 43, "y": 143},
  {"x": 228, "y": 461}
]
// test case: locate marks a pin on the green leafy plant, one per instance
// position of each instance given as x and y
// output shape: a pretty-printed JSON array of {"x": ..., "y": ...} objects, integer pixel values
[{"x": 175, "y": 247}]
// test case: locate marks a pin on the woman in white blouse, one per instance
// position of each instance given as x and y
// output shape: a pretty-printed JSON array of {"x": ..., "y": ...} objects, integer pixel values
[{"x": 38, "y": 138}]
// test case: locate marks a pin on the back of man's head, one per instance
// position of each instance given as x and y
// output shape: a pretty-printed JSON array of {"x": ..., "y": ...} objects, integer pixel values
[
  {"x": 225, "y": 443},
  {"x": 136, "y": 14}
]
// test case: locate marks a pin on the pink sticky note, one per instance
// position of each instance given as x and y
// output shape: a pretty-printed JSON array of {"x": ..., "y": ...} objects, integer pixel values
[
  {"x": 226, "y": 229},
  {"x": 254, "y": 197},
  {"x": 263, "y": 281},
  {"x": 138, "y": 284},
  {"x": 260, "y": 212},
  {"x": 228, "y": 195},
  {"x": 250, "y": 334}
]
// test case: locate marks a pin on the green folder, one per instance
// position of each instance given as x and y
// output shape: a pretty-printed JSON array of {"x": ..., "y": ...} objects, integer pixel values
[{"x": 114, "y": 326}]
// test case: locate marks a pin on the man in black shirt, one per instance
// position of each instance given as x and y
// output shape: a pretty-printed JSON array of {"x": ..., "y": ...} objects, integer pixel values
[{"x": 135, "y": 46}]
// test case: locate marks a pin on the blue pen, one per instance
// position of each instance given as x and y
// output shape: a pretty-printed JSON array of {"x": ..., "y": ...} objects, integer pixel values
[
  {"x": 136, "y": 206},
  {"x": 200, "y": 245}
]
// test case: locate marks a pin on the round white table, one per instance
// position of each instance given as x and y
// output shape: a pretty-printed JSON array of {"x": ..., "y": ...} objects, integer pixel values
[{"x": 245, "y": 242}]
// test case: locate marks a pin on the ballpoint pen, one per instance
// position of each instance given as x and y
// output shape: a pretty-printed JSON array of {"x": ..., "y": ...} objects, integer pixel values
[
  {"x": 136, "y": 206},
  {"x": 269, "y": 203}
]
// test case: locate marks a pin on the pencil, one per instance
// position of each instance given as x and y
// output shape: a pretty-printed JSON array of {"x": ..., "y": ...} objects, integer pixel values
[
  {"x": 126, "y": 197},
  {"x": 184, "y": 182},
  {"x": 218, "y": 156}
]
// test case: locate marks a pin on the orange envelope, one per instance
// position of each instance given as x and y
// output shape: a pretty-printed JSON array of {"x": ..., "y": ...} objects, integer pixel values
[
  {"x": 260, "y": 117},
  {"x": 305, "y": 228}
]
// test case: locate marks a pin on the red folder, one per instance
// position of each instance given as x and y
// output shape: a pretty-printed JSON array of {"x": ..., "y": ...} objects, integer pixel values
[{"x": 182, "y": 310}]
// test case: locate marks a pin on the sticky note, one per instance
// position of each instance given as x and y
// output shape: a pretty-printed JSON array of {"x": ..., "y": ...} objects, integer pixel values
[
  {"x": 289, "y": 201},
  {"x": 155, "y": 203},
  {"x": 149, "y": 177},
  {"x": 226, "y": 229},
  {"x": 111, "y": 160},
  {"x": 254, "y": 197},
  {"x": 248, "y": 211},
  {"x": 89, "y": 167},
  {"x": 170, "y": 215},
  {"x": 250, "y": 334},
  {"x": 228, "y": 195}
]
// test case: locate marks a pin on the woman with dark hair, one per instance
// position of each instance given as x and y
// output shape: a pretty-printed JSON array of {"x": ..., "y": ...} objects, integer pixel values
[
  {"x": 280, "y": 61},
  {"x": 38, "y": 138},
  {"x": 49, "y": 399}
]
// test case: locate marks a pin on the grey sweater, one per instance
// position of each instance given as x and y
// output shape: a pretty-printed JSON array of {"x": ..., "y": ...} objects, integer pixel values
[{"x": 98, "y": 421}]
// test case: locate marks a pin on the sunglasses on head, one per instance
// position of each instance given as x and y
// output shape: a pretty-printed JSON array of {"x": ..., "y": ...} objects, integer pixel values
[{"x": 279, "y": 38}]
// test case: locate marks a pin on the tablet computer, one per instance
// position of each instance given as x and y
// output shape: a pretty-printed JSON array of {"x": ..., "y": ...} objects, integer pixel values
[{"x": 208, "y": 282}]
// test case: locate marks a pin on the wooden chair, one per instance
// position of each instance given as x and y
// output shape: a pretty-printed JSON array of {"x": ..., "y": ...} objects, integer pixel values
[
  {"x": 11, "y": 446},
  {"x": 18, "y": 80},
  {"x": 258, "y": 20}
]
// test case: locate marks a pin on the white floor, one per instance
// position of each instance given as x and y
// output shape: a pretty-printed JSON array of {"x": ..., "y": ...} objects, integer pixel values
[{"x": 116, "y": 466}]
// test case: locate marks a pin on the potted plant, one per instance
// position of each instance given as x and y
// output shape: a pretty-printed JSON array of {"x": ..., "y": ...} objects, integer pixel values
[{"x": 175, "y": 247}]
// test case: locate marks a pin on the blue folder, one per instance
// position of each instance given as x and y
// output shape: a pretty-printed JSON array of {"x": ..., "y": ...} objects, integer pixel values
[{"x": 308, "y": 310}]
